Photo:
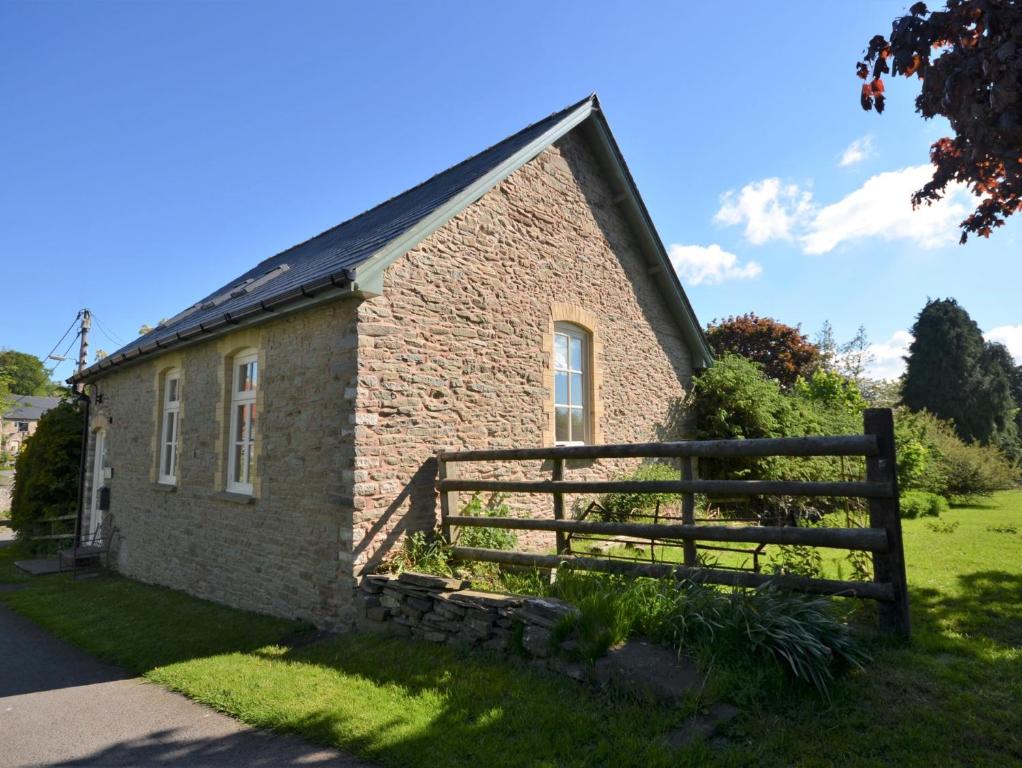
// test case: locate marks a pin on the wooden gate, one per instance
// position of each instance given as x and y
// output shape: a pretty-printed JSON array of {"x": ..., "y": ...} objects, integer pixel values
[{"x": 880, "y": 488}]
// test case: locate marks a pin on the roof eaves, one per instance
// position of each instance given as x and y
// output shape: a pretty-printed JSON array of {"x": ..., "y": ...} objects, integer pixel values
[{"x": 680, "y": 305}]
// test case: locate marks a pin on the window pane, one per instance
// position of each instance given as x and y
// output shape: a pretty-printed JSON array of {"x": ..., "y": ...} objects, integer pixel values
[
  {"x": 561, "y": 432},
  {"x": 248, "y": 376},
  {"x": 560, "y": 388},
  {"x": 577, "y": 390},
  {"x": 169, "y": 428},
  {"x": 250, "y": 433},
  {"x": 241, "y": 423},
  {"x": 172, "y": 390},
  {"x": 239, "y": 463},
  {"x": 576, "y": 354},
  {"x": 578, "y": 433},
  {"x": 560, "y": 352}
]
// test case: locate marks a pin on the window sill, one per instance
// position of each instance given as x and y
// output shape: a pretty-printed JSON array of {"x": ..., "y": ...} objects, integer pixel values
[
  {"x": 234, "y": 498},
  {"x": 165, "y": 487}
]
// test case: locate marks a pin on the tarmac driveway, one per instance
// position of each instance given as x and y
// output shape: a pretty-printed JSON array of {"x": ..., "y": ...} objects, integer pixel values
[{"x": 61, "y": 707}]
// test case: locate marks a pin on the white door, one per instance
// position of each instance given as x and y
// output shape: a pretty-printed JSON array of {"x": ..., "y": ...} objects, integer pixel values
[{"x": 98, "y": 481}]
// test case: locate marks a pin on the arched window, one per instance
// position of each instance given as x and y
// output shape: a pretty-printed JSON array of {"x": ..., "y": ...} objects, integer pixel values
[
  {"x": 572, "y": 384},
  {"x": 241, "y": 441},
  {"x": 171, "y": 426}
]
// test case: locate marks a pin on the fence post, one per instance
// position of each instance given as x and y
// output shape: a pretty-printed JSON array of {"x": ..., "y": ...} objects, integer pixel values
[
  {"x": 885, "y": 513},
  {"x": 688, "y": 510},
  {"x": 445, "y": 471},
  {"x": 561, "y": 538}
]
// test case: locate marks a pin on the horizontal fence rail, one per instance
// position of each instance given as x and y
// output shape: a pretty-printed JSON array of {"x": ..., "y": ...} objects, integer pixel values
[
  {"x": 710, "y": 487},
  {"x": 882, "y": 538},
  {"x": 842, "y": 445},
  {"x": 867, "y": 539},
  {"x": 864, "y": 589}
]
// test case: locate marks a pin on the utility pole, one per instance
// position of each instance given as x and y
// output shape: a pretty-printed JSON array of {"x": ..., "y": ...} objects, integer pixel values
[{"x": 83, "y": 349}]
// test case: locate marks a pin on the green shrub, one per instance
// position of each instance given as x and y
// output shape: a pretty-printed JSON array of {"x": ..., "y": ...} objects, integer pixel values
[
  {"x": 46, "y": 470},
  {"x": 939, "y": 526},
  {"x": 799, "y": 633},
  {"x": 932, "y": 458},
  {"x": 619, "y": 507},
  {"x": 487, "y": 538},
  {"x": 423, "y": 553},
  {"x": 922, "y": 504}
]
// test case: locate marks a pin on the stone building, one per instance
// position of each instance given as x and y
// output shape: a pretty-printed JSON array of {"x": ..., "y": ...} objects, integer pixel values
[
  {"x": 20, "y": 420},
  {"x": 274, "y": 440}
]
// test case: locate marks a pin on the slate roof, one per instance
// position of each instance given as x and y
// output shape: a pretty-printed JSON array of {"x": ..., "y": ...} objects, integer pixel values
[
  {"x": 332, "y": 258},
  {"x": 30, "y": 407}
]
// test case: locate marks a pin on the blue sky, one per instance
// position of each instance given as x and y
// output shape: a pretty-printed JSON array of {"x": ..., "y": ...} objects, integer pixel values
[{"x": 152, "y": 151}]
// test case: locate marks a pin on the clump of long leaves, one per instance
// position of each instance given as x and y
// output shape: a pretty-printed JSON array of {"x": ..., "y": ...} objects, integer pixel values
[{"x": 803, "y": 634}]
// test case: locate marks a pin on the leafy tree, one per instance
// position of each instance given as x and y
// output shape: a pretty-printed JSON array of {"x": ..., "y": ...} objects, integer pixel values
[
  {"x": 968, "y": 57},
  {"x": 25, "y": 373},
  {"x": 784, "y": 352},
  {"x": 954, "y": 375},
  {"x": 1000, "y": 373},
  {"x": 46, "y": 471},
  {"x": 1016, "y": 394}
]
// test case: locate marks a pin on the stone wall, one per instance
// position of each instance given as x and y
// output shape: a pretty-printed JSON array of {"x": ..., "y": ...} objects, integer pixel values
[
  {"x": 287, "y": 550},
  {"x": 447, "y": 611},
  {"x": 455, "y": 353}
]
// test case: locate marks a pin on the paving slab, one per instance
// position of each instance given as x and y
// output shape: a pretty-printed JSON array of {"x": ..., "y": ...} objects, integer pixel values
[{"x": 61, "y": 707}]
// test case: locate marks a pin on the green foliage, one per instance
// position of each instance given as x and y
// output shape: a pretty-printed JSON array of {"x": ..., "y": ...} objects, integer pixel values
[
  {"x": 796, "y": 561},
  {"x": 922, "y": 504},
  {"x": 423, "y": 553},
  {"x": 933, "y": 458},
  {"x": 24, "y": 373},
  {"x": 487, "y": 538},
  {"x": 621, "y": 506},
  {"x": 46, "y": 477},
  {"x": 799, "y": 633},
  {"x": 939, "y": 526},
  {"x": 952, "y": 373}
]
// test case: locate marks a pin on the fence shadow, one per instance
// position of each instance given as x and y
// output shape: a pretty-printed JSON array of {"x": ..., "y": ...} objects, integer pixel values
[{"x": 988, "y": 605}]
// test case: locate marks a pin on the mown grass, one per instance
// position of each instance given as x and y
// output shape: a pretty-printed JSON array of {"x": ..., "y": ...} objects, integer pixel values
[{"x": 953, "y": 696}]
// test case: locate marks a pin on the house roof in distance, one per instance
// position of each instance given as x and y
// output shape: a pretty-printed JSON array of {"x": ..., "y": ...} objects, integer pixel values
[
  {"x": 30, "y": 407},
  {"x": 351, "y": 256}
]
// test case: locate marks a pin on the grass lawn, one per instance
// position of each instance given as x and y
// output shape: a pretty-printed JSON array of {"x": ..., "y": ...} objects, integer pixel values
[{"x": 951, "y": 697}]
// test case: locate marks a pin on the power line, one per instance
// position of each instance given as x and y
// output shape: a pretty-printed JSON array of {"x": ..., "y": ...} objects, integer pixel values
[
  {"x": 63, "y": 357},
  {"x": 113, "y": 337},
  {"x": 77, "y": 316}
]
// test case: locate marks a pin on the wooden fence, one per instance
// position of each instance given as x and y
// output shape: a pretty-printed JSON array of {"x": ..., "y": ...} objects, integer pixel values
[{"x": 880, "y": 488}]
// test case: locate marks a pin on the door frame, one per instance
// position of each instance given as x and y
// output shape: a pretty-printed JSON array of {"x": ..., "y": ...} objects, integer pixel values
[{"x": 98, "y": 481}]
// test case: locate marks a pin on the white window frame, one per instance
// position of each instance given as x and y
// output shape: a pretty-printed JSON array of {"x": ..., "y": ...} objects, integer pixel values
[
  {"x": 240, "y": 398},
  {"x": 170, "y": 437},
  {"x": 573, "y": 332}
]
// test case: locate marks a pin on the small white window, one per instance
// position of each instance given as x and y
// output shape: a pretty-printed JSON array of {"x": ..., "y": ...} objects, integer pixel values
[
  {"x": 171, "y": 426},
  {"x": 241, "y": 446},
  {"x": 571, "y": 384}
]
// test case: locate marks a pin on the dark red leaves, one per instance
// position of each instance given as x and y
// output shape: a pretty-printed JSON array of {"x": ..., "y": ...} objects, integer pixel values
[{"x": 968, "y": 56}]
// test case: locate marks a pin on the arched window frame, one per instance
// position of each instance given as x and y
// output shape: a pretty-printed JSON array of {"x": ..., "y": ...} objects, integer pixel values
[
  {"x": 570, "y": 315},
  {"x": 170, "y": 427},
  {"x": 243, "y": 422}
]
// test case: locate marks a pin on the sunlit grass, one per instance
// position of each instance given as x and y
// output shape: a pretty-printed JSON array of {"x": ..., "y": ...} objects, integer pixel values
[{"x": 951, "y": 697}]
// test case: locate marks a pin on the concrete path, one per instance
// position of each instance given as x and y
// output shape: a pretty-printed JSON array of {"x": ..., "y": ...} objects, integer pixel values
[{"x": 61, "y": 707}]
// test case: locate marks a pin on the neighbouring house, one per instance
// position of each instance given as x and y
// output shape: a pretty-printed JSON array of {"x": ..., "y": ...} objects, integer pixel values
[
  {"x": 271, "y": 442},
  {"x": 20, "y": 420}
]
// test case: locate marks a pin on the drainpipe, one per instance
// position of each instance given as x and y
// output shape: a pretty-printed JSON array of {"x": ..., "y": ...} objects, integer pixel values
[{"x": 85, "y": 401}]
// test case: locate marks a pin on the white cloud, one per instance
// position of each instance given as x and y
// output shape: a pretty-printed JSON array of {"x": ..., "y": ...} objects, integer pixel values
[
  {"x": 769, "y": 209},
  {"x": 857, "y": 151},
  {"x": 1011, "y": 337},
  {"x": 881, "y": 207},
  {"x": 886, "y": 359},
  {"x": 712, "y": 265}
]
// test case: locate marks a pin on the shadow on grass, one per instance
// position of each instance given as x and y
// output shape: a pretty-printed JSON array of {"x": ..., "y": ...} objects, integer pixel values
[{"x": 989, "y": 606}]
